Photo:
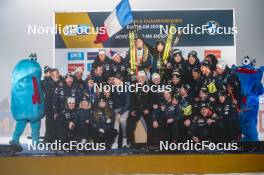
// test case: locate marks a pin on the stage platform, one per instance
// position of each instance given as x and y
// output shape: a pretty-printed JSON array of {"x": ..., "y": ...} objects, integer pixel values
[
  {"x": 130, "y": 161},
  {"x": 129, "y": 164}
]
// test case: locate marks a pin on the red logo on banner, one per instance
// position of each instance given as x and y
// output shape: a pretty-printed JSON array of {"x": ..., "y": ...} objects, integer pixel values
[
  {"x": 72, "y": 67},
  {"x": 217, "y": 53}
]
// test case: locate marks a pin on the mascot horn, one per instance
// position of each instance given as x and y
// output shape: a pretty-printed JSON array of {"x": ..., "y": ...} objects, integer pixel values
[
  {"x": 27, "y": 98},
  {"x": 251, "y": 88}
]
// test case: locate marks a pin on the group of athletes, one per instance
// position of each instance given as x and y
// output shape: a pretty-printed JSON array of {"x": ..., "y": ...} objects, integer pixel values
[{"x": 202, "y": 103}]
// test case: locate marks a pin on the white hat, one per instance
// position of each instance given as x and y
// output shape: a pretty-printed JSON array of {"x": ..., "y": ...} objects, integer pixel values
[
  {"x": 70, "y": 100},
  {"x": 141, "y": 73},
  {"x": 78, "y": 69},
  {"x": 113, "y": 53},
  {"x": 101, "y": 52},
  {"x": 221, "y": 64},
  {"x": 154, "y": 76}
]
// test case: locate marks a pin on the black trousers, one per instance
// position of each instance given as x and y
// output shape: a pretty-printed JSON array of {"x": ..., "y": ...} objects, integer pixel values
[
  {"x": 174, "y": 131},
  {"x": 83, "y": 132},
  {"x": 49, "y": 126},
  {"x": 107, "y": 137},
  {"x": 62, "y": 132},
  {"x": 215, "y": 132},
  {"x": 232, "y": 128},
  {"x": 187, "y": 131},
  {"x": 160, "y": 133},
  {"x": 132, "y": 122}
]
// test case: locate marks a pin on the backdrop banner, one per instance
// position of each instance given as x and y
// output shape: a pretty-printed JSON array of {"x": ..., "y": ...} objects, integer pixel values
[{"x": 76, "y": 33}]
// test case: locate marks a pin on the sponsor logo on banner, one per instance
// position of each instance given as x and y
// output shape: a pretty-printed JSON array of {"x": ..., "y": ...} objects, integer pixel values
[
  {"x": 91, "y": 55},
  {"x": 89, "y": 67},
  {"x": 211, "y": 27},
  {"x": 75, "y": 56},
  {"x": 217, "y": 53},
  {"x": 72, "y": 67}
]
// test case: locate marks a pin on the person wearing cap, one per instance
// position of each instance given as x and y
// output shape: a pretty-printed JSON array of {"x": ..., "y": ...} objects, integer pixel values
[
  {"x": 177, "y": 62},
  {"x": 209, "y": 80},
  {"x": 172, "y": 118},
  {"x": 45, "y": 83},
  {"x": 141, "y": 106},
  {"x": 206, "y": 67},
  {"x": 192, "y": 62},
  {"x": 47, "y": 70},
  {"x": 228, "y": 80},
  {"x": 156, "y": 79},
  {"x": 55, "y": 75},
  {"x": 119, "y": 65},
  {"x": 121, "y": 109},
  {"x": 83, "y": 121},
  {"x": 105, "y": 62},
  {"x": 176, "y": 83},
  {"x": 97, "y": 75},
  {"x": 143, "y": 56},
  {"x": 203, "y": 97},
  {"x": 72, "y": 89},
  {"x": 186, "y": 104},
  {"x": 196, "y": 82},
  {"x": 213, "y": 61},
  {"x": 89, "y": 90},
  {"x": 48, "y": 88},
  {"x": 109, "y": 98},
  {"x": 78, "y": 78},
  {"x": 209, "y": 125},
  {"x": 56, "y": 78},
  {"x": 157, "y": 64},
  {"x": 65, "y": 89},
  {"x": 156, "y": 97},
  {"x": 204, "y": 125},
  {"x": 103, "y": 123},
  {"x": 66, "y": 122},
  {"x": 226, "y": 110}
]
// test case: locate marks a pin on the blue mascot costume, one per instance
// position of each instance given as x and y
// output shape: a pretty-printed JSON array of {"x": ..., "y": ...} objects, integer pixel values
[
  {"x": 251, "y": 88},
  {"x": 27, "y": 98}
]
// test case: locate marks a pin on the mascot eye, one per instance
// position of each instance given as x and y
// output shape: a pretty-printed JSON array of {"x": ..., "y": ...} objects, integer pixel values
[{"x": 245, "y": 61}]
